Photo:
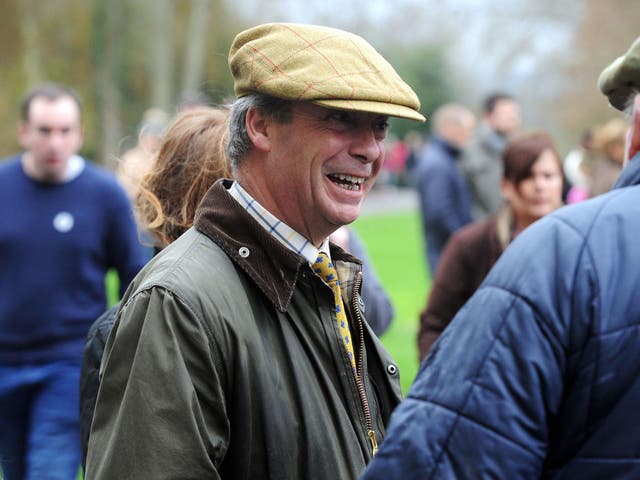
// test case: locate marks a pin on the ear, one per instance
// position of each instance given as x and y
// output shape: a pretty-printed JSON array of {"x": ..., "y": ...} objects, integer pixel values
[
  {"x": 80, "y": 138},
  {"x": 258, "y": 129},
  {"x": 633, "y": 136},
  {"x": 23, "y": 132}
]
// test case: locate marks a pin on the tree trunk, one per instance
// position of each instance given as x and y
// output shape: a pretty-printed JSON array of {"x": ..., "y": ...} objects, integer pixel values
[
  {"x": 161, "y": 54},
  {"x": 31, "y": 60},
  {"x": 107, "y": 55},
  {"x": 194, "y": 59}
]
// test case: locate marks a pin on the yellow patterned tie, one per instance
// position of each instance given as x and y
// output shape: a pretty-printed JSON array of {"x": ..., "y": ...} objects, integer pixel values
[{"x": 325, "y": 269}]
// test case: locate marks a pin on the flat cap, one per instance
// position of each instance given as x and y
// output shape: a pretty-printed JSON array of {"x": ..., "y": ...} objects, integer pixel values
[
  {"x": 620, "y": 80},
  {"x": 329, "y": 67}
]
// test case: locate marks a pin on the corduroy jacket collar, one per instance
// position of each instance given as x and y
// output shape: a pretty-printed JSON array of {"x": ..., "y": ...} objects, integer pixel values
[{"x": 272, "y": 267}]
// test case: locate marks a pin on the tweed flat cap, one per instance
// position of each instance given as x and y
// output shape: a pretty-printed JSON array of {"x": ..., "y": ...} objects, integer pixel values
[
  {"x": 622, "y": 78},
  {"x": 329, "y": 67}
]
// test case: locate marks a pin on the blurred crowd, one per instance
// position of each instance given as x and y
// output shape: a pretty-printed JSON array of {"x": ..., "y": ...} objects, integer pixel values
[
  {"x": 510, "y": 338},
  {"x": 590, "y": 168}
]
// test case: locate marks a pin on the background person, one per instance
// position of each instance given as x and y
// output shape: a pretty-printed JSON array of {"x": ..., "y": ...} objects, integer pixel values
[
  {"x": 482, "y": 163},
  {"x": 64, "y": 223},
  {"x": 532, "y": 187},
  {"x": 608, "y": 146},
  {"x": 378, "y": 308},
  {"x": 191, "y": 157},
  {"x": 577, "y": 168},
  {"x": 445, "y": 203},
  {"x": 136, "y": 161},
  {"x": 547, "y": 384},
  {"x": 235, "y": 353}
]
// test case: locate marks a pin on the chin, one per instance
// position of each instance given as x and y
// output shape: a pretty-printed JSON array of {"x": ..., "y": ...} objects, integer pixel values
[
  {"x": 345, "y": 218},
  {"x": 541, "y": 212}
]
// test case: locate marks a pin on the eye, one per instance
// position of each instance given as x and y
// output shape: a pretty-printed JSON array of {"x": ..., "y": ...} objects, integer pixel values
[
  {"x": 341, "y": 116},
  {"x": 382, "y": 125},
  {"x": 380, "y": 128}
]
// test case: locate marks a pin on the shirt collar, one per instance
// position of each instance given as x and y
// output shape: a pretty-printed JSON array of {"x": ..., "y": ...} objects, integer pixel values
[
  {"x": 276, "y": 228},
  {"x": 75, "y": 168}
]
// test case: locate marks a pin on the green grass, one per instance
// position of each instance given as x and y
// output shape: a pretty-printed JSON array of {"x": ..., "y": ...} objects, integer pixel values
[
  {"x": 112, "y": 285},
  {"x": 395, "y": 246}
]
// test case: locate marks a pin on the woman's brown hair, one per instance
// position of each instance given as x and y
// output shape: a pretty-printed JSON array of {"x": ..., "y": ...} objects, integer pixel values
[
  {"x": 522, "y": 152},
  {"x": 191, "y": 158}
]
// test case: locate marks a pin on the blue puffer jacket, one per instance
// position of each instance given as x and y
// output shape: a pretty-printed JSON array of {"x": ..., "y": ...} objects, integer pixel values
[{"x": 538, "y": 376}]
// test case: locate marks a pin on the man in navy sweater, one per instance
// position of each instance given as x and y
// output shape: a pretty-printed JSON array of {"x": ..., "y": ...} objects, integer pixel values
[{"x": 63, "y": 224}]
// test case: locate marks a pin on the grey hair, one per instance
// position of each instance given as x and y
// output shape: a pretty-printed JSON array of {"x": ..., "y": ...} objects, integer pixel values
[
  {"x": 239, "y": 142},
  {"x": 448, "y": 114}
]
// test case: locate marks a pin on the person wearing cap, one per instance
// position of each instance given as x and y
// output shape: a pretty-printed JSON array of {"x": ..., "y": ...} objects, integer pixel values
[
  {"x": 241, "y": 351},
  {"x": 136, "y": 160},
  {"x": 546, "y": 385}
]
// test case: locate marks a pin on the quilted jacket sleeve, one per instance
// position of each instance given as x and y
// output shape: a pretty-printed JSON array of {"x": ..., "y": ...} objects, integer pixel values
[{"x": 482, "y": 403}]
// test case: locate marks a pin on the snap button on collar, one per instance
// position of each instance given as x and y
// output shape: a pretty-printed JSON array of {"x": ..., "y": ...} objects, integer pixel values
[{"x": 243, "y": 252}]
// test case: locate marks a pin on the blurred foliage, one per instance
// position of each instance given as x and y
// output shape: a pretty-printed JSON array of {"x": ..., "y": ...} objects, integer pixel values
[
  {"x": 79, "y": 43},
  {"x": 125, "y": 56},
  {"x": 425, "y": 69},
  {"x": 116, "y": 53},
  {"x": 606, "y": 31}
]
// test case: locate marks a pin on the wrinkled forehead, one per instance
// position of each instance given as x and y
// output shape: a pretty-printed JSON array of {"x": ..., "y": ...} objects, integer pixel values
[{"x": 322, "y": 111}]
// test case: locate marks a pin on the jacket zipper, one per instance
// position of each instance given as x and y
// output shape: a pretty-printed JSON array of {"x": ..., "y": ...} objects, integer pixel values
[{"x": 359, "y": 368}]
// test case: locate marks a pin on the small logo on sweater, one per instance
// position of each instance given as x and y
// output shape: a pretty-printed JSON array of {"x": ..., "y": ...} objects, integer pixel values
[{"x": 63, "y": 222}]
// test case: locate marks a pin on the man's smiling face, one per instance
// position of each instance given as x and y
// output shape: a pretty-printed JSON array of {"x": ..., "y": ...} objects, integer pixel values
[{"x": 320, "y": 167}]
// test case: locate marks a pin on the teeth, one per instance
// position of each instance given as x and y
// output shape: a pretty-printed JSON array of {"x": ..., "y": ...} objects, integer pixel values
[
  {"x": 350, "y": 179},
  {"x": 346, "y": 186}
]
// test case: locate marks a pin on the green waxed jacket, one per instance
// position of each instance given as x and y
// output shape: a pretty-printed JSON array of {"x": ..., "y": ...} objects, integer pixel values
[{"x": 225, "y": 362}]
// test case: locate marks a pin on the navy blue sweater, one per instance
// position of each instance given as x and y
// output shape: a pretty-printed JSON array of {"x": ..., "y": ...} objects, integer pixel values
[{"x": 56, "y": 243}]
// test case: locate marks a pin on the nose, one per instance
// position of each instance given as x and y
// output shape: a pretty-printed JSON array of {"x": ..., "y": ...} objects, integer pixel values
[
  {"x": 541, "y": 182},
  {"x": 56, "y": 140},
  {"x": 365, "y": 145}
]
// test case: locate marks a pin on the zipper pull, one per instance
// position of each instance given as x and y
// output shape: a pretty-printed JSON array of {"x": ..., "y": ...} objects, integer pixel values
[{"x": 374, "y": 444}]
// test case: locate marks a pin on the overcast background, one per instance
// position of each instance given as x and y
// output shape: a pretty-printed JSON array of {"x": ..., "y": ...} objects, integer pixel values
[{"x": 125, "y": 56}]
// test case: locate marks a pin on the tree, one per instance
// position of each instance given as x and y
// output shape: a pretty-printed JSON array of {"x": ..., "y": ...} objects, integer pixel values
[
  {"x": 606, "y": 31},
  {"x": 425, "y": 69},
  {"x": 107, "y": 53},
  {"x": 160, "y": 49},
  {"x": 194, "y": 58}
]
